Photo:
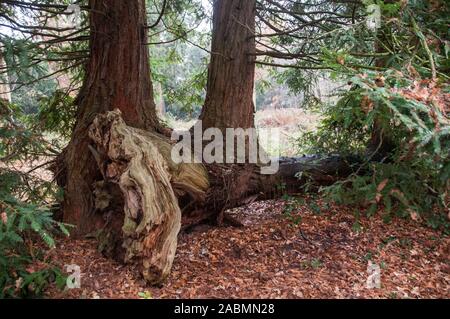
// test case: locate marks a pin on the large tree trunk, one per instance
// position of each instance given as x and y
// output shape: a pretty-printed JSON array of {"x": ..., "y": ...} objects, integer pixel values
[
  {"x": 117, "y": 76},
  {"x": 229, "y": 97},
  {"x": 229, "y": 104},
  {"x": 229, "y": 101}
]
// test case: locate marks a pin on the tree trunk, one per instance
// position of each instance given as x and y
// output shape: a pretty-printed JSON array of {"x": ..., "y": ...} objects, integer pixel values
[
  {"x": 160, "y": 103},
  {"x": 229, "y": 97},
  {"x": 229, "y": 100},
  {"x": 5, "y": 89},
  {"x": 117, "y": 76},
  {"x": 380, "y": 144},
  {"x": 229, "y": 104}
]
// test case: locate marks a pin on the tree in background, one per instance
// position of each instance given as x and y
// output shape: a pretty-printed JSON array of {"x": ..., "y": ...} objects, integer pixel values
[{"x": 178, "y": 47}]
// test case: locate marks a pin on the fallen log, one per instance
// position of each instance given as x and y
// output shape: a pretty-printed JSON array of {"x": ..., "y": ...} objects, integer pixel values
[{"x": 232, "y": 185}]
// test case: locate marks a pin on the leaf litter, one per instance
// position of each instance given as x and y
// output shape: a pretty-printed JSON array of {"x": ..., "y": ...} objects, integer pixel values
[{"x": 325, "y": 255}]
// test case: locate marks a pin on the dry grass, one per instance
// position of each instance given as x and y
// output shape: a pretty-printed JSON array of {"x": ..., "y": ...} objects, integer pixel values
[
  {"x": 291, "y": 124},
  {"x": 287, "y": 118}
]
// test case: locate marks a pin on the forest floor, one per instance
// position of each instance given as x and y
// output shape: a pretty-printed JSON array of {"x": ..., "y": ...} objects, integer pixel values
[{"x": 320, "y": 251}]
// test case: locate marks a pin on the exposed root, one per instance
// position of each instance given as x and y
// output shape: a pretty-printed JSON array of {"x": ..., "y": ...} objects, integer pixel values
[{"x": 144, "y": 219}]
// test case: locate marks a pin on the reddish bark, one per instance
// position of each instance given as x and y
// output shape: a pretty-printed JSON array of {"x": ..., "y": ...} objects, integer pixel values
[
  {"x": 117, "y": 76},
  {"x": 229, "y": 98}
]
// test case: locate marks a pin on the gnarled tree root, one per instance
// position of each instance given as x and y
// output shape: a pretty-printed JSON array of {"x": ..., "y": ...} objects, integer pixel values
[{"x": 139, "y": 194}]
